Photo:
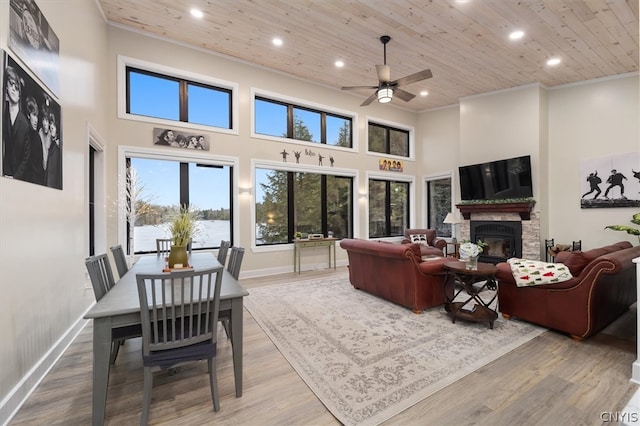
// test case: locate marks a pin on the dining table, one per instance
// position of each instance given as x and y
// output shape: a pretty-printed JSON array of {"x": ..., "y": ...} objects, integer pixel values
[{"x": 121, "y": 307}]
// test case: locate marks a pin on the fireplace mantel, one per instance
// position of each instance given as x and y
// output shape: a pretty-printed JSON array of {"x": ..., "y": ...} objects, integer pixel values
[{"x": 523, "y": 208}]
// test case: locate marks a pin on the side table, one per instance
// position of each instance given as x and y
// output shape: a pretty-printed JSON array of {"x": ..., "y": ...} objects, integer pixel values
[{"x": 474, "y": 308}]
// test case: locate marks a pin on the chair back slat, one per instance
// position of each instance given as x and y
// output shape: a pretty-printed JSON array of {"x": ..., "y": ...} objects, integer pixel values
[
  {"x": 235, "y": 261},
  {"x": 182, "y": 308},
  {"x": 100, "y": 274},
  {"x": 120, "y": 259},
  {"x": 163, "y": 246},
  {"x": 222, "y": 252}
]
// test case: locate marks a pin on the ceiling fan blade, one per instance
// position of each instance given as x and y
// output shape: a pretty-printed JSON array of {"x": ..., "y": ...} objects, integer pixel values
[
  {"x": 384, "y": 73},
  {"x": 421, "y": 75},
  {"x": 370, "y": 99},
  {"x": 403, "y": 94},
  {"x": 358, "y": 87}
]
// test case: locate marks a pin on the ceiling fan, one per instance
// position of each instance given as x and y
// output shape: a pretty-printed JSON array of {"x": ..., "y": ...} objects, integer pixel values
[{"x": 387, "y": 88}]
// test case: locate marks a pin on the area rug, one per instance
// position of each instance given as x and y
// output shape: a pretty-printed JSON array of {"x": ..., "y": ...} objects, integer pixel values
[{"x": 367, "y": 359}]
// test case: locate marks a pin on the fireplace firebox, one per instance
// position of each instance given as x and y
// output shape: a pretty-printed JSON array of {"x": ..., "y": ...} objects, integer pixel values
[{"x": 503, "y": 239}]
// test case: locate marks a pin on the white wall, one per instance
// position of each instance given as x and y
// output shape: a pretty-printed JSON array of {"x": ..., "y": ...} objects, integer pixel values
[
  {"x": 586, "y": 121},
  {"x": 43, "y": 290},
  {"x": 257, "y": 261}
]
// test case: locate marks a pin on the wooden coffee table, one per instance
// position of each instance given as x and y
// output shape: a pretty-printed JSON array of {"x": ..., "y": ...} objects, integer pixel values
[{"x": 474, "y": 308}]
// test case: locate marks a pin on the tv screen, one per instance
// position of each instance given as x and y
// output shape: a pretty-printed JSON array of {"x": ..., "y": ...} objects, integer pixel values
[{"x": 495, "y": 180}]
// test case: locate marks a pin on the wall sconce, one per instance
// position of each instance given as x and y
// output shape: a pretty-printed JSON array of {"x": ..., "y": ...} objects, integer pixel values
[
  {"x": 245, "y": 191},
  {"x": 362, "y": 195}
]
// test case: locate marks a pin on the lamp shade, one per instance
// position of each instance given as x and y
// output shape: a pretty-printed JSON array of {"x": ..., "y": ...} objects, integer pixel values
[
  {"x": 450, "y": 219},
  {"x": 385, "y": 94}
]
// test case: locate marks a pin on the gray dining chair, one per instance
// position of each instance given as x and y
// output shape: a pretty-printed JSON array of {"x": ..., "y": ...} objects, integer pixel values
[
  {"x": 233, "y": 267},
  {"x": 163, "y": 246},
  {"x": 120, "y": 259},
  {"x": 179, "y": 324},
  {"x": 223, "y": 250},
  {"x": 102, "y": 282},
  {"x": 235, "y": 261}
]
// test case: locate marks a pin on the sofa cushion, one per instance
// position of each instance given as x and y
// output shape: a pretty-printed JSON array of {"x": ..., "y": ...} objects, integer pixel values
[
  {"x": 419, "y": 238},
  {"x": 574, "y": 260}
]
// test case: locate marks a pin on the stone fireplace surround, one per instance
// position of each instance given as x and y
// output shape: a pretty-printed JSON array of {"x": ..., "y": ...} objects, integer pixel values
[{"x": 530, "y": 229}]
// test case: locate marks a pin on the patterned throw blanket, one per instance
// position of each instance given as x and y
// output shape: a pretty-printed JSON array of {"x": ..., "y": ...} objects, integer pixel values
[{"x": 534, "y": 272}]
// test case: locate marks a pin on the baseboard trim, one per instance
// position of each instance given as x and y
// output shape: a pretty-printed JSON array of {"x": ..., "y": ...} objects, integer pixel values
[{"x": 10, "y": 405}]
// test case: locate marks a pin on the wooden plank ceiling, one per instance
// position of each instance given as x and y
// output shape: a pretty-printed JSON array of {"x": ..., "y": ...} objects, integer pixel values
[{"x": 465, "y": 43}]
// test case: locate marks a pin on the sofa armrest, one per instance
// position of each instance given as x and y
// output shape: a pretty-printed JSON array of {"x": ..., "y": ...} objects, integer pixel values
[
  {"x": 405, "y": 241},
  {"x": 440, "y": 243}
]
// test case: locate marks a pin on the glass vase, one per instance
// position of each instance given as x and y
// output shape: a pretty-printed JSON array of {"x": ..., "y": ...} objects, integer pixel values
[{"x": 472, "y": 263}]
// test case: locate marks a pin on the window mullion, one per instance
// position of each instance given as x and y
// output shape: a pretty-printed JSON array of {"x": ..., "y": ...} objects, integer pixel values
[
  {"x": 184, "y": 184},
  {"x": 184, "y": 102}
]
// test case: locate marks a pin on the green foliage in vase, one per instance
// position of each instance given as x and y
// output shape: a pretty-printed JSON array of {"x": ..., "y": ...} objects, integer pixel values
[
  {"x": 499, "y": 201},
  {"x": 184, "y": 226},
  {"x": 628, "y": 229}
]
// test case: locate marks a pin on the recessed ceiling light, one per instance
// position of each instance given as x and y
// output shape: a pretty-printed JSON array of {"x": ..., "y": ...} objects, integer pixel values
[
  {"x": 339, "y": 63},
  {"x": 424, "y": 93},
  {"x": 516, "y": 35},
  {"x": 197, "y": 13},
  {"x": 553, "y": 61},
  {"x": 277, "y": 41}
]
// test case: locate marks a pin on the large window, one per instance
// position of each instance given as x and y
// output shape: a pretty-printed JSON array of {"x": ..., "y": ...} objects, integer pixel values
[
  {"x": 388, "y": 208},
  {"x": 280, "y": 119},
  {"x": 311, "y": 203},
  {"x": 388, "y": 140},
  {"x": 438, "y": 205},
  {"x": 170, "y": 98},
  {"x": 156, "y": 188}
]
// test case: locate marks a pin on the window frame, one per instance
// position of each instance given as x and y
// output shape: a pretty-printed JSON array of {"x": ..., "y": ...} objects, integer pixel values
[
  {"x": 395, "y": 126},
  {"x": 291, "y": 102},
  {"x": 398, "y": 177},
  {"x": 125, "y": 62},
  {"x": 301, "y": 168},
  {"x": 427, "y": 200},
  {"x": 125, "y": 151}
]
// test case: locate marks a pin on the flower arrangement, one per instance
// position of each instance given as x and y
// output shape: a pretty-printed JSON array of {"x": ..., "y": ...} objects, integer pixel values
[
  {"x": 184, "y": 226},
  {"x": 469, "y": 249}
]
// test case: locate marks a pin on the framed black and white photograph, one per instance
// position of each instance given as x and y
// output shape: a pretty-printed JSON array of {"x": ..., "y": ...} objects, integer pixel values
[
  {"x": 180, "y": 139},
  {"x": 33, "y": 40},
  {"x": 31, "y": 129},
  {"x": 611, "y": 181}
]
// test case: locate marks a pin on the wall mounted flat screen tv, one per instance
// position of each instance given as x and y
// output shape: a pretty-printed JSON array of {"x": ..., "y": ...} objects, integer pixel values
[{"x": 495, "y": 180}]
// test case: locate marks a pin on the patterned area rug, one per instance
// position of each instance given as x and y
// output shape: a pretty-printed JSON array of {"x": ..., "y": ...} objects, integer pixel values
[{"x": 367, "y": 359}]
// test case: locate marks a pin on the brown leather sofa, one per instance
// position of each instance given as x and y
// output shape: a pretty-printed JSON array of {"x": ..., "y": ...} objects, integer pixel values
[
  {"x": 433, "y": 246},
  {"x": 602, "y": 288},
  {"x": 396, "y": 272}
]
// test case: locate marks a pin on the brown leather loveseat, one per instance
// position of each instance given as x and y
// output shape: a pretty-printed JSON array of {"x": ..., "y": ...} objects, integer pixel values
[
  {"x": 397, "y": 273},
  {"x": 602, "y": 288}
]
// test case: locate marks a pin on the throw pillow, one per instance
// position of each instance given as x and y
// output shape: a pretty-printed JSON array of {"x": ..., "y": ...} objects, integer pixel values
[
  {"x": 575, "y": 261},
  {"x": 419, "y": 238}
]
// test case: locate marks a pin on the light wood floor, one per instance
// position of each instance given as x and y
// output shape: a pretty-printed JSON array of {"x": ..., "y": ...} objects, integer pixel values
[{"x": 549, "y": 380}]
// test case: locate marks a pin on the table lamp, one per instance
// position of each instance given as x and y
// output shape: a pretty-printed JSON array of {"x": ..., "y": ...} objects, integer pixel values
[{"x": 452, "y": 220}]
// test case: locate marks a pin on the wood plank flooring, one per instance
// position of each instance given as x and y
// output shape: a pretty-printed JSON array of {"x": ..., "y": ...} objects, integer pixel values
[{"x": 549, "y": 380}]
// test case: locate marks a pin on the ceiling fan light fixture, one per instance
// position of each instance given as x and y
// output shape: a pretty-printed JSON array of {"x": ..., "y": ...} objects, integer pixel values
[{"x": 385, "y": 94}]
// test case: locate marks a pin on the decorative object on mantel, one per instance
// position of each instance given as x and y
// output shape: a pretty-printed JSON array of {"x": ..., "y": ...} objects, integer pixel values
[
  {"x": 523, "y": 206},
  {"x": 629, "y": 230},
  {"x": 183, "y": 228}
]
